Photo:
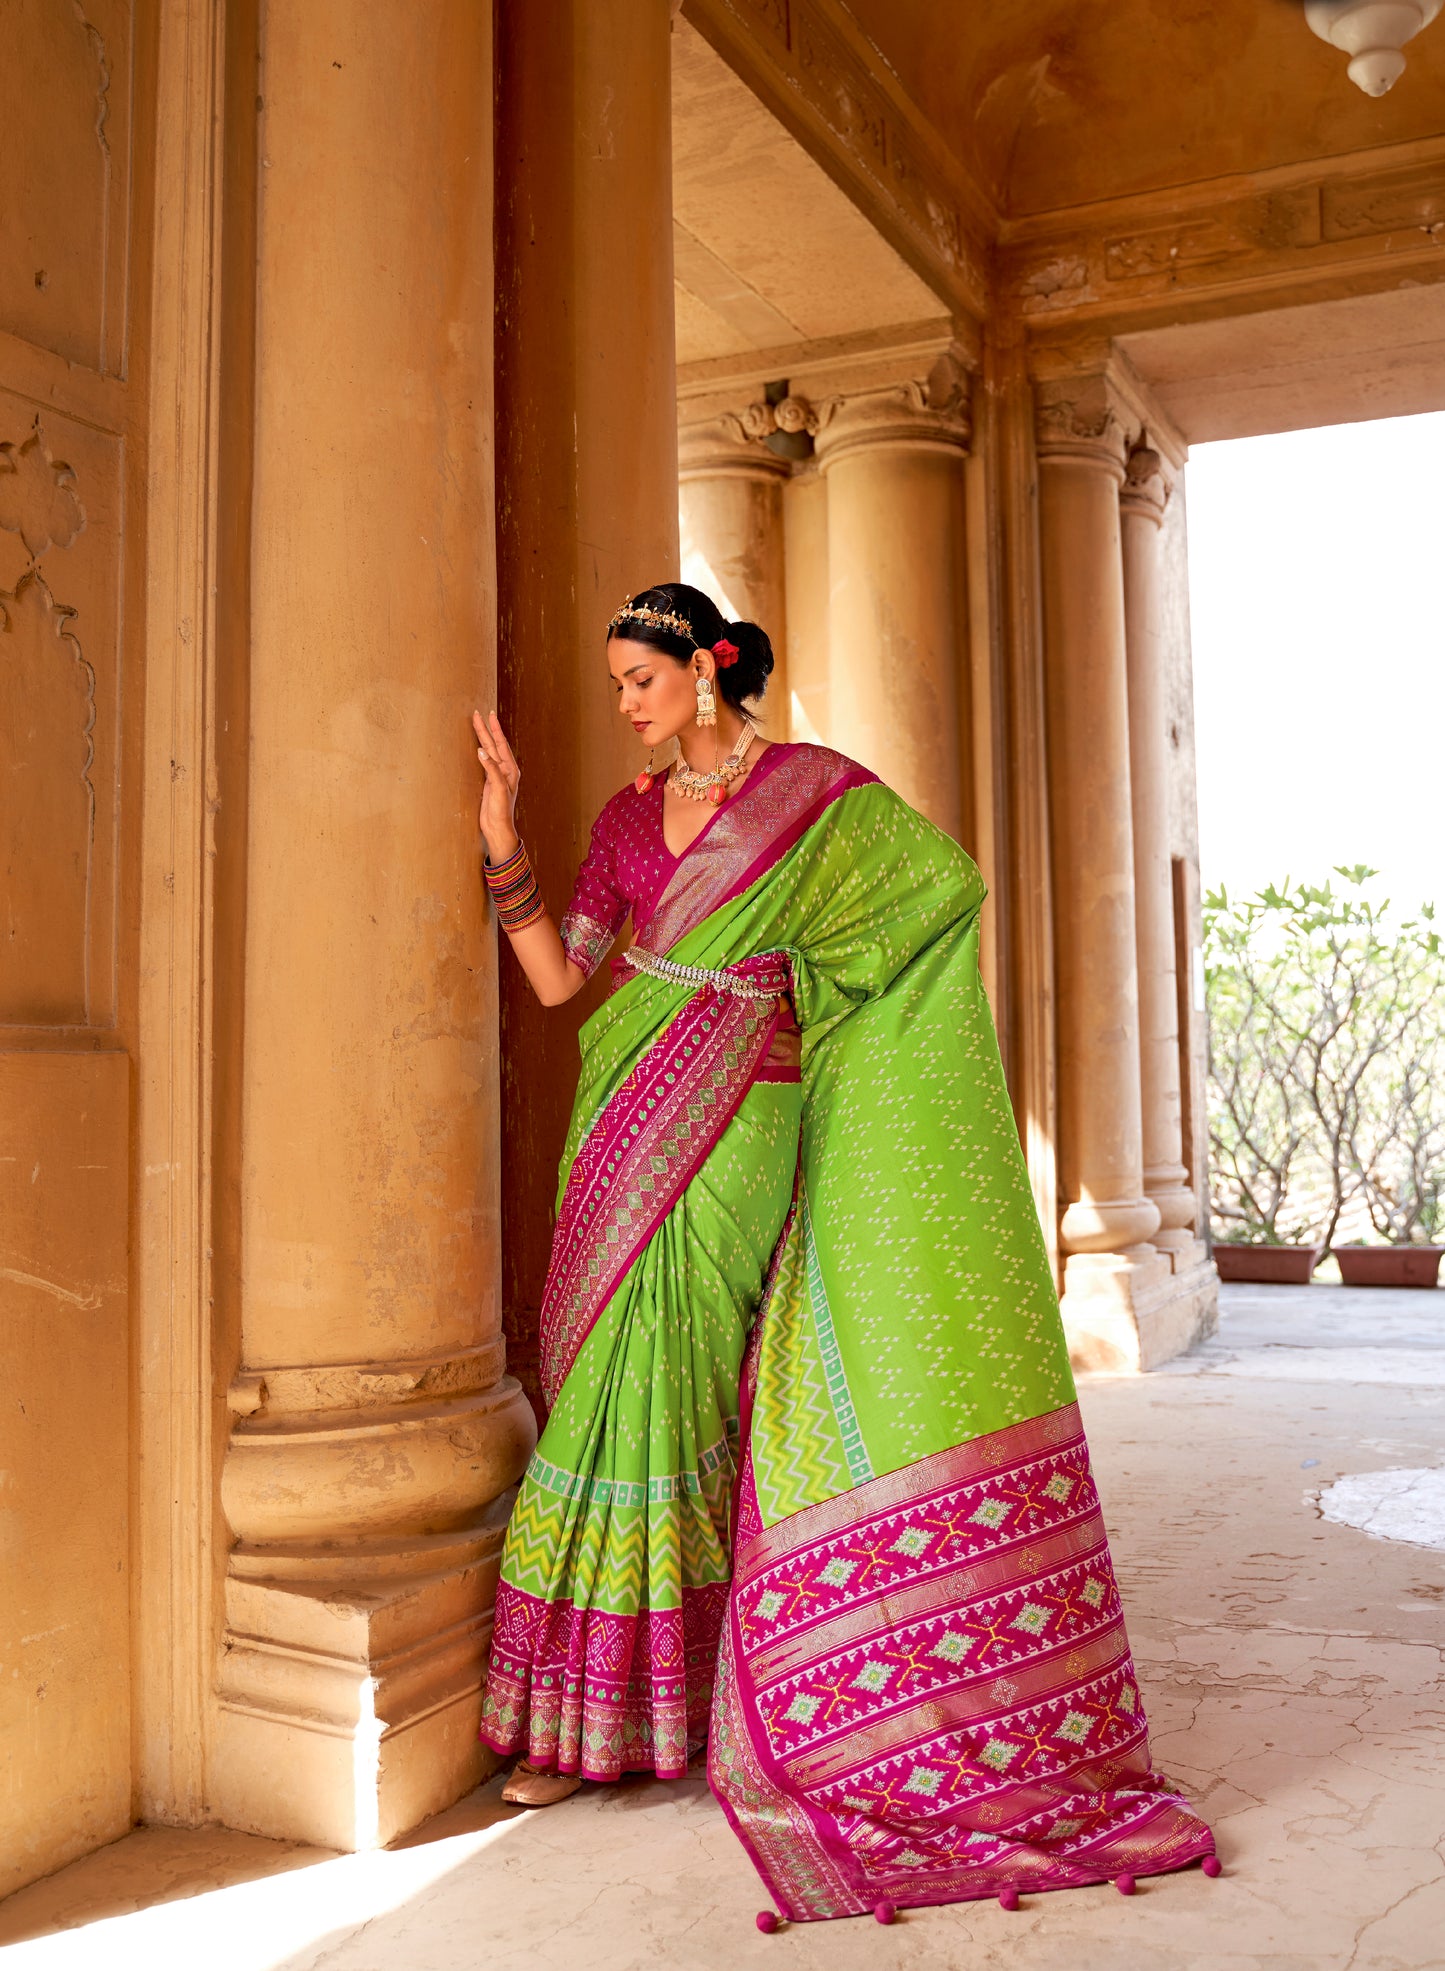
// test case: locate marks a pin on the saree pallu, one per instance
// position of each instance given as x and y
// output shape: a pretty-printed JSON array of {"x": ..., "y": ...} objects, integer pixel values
[{"x": 814, "y": 1470}]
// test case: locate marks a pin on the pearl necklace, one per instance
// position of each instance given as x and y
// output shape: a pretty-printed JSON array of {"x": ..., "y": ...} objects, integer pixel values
[{"x": 712, "y": 786}]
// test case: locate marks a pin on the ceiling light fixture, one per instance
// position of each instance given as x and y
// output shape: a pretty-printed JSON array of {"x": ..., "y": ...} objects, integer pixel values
[{"x": 1371, "y": 33}]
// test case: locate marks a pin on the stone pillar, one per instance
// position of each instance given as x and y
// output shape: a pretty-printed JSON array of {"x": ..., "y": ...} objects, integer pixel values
[
  {"x": 1112, "y": 1276},
  {"x": 805, "y": 558},
  {"x": 1142, "y": 500},
  {"x": 586, "y": 496},
  {"x": 376, "y": 1438},
  {"x": 730, "y": 498},
  {"x": 892, "y": 459}
]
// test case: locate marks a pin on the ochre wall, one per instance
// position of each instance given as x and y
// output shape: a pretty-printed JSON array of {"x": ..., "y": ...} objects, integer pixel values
[
  {"x": 65, "y": 1609},
  {"x": 73, "y": 339}
]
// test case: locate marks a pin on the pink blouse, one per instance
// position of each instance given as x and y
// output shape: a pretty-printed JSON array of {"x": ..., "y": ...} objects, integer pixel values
[{"x": 627, "y": 867}]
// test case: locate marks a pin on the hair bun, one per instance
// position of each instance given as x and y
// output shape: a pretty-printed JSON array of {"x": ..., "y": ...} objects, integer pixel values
[{"x": 748, "y": 676}]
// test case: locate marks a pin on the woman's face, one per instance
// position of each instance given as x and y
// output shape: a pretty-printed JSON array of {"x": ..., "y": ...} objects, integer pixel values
[{"x": 655, "y": 694}]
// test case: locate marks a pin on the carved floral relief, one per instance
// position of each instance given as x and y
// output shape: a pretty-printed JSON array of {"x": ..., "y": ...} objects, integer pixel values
[{"x": 48, "y": 805}]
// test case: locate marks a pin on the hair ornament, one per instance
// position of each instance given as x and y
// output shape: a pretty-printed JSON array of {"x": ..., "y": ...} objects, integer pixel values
[
  {"x": 725, "y": 652},
  {"x": 657, "y": 619}
]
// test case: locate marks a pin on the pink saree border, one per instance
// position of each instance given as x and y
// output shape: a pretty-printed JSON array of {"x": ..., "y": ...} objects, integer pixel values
[
  {"x": 584, "y": 1690},
  {"x": 640, "y": 1155},
  {"x": 925, "y": 1693},
  {"x": 780, "y": 800}
]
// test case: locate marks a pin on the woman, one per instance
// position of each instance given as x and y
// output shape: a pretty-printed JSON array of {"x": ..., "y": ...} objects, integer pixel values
[{"x": 812, "y": 1484}]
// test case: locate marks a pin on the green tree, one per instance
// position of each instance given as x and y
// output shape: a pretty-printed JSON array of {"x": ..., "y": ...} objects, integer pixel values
[{"x": 1325, "y": 1038}]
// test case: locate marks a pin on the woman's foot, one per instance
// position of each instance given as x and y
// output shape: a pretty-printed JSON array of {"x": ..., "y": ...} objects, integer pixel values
[{"x": 529, "y": 1787}]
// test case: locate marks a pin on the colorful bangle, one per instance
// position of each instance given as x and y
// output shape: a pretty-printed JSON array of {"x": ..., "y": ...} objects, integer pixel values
[{"x": 514, "y": 891}]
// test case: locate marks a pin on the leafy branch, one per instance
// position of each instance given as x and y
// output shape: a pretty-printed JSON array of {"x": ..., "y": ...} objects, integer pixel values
[{"x": 1326, "y": 1038}]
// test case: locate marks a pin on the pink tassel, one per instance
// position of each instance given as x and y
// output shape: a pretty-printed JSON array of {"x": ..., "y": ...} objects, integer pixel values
[
  {"x": 1212, "y": 1865},
  {"x": 767, "y": 1922},
  {"x": 1008, "y": 1898},
  {"x": 1124, "y": 1884},
  {"x": 884, "y": 1912}
]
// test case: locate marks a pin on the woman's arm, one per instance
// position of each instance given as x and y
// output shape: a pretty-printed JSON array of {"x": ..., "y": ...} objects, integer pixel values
[{"x": 538, "y": 945}]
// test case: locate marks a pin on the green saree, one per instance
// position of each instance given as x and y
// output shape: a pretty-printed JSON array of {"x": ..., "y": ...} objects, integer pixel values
[{"x": 813, "y": 1483}]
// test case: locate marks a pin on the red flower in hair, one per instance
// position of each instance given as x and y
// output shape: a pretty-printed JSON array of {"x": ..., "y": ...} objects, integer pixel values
[{"x": 725, "y": 652}]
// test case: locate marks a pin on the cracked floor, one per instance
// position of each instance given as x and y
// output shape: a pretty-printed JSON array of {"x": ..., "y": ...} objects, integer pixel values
[{"x": 1291, "y": 1663}]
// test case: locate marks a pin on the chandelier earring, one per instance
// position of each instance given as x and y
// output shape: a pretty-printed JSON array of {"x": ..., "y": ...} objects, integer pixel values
[{"x": 706, "y": 703}]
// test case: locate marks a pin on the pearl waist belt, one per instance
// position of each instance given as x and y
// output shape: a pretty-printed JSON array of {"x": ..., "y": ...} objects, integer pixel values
[{"x": 770, "y": 973}]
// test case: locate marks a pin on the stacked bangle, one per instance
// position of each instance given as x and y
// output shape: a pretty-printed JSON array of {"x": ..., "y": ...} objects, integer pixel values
[{"x": 514, "y": 891}]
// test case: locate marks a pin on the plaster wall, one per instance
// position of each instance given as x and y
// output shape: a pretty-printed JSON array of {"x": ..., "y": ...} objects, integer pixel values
[
  {"x": 65, "y": 1709},
  {"x": 74, "y": 260}
]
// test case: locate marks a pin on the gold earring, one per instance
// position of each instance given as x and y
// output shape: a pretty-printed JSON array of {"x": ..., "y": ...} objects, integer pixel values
[{"x": 706, "y": 703}]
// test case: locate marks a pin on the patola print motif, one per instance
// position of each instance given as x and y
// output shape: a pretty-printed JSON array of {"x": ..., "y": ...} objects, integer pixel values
[
  {"x": 813, "y": 1488},
  {"x": 927, "y": 1685},
  {"x": 639, "y": 1158}
]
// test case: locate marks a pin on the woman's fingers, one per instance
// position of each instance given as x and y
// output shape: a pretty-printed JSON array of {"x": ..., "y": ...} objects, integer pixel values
[{"x": 504, "y": 750}]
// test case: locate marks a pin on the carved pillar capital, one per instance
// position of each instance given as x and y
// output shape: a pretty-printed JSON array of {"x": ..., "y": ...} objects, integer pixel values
[
  {"x": 736, "y": 443},
  {"x": 1148, "y": 482},
  {"x": 925, "y": 413},
  {"x": 1081, "y": 417}
]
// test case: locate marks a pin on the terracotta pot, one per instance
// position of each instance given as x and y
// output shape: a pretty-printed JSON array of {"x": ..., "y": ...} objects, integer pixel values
[
  {"x": 1276, "y": 1266},
  {"x": 1389, "y": 1266}
]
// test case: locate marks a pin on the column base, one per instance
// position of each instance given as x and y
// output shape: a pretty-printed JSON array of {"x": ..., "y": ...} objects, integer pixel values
[
  {"x": 1127, "y": 1312},
  {"x": 1184, "y": 1251},
  {"x": 349, "y": 1712}
]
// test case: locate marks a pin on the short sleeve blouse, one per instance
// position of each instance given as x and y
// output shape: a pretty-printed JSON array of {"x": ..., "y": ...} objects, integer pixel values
[
  {"x": 598, "y": 909},
  {"x": 626, "y": 868}
]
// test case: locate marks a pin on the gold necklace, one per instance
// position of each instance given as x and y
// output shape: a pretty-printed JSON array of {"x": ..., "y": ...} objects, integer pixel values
[{"x": 712, "y": 786}]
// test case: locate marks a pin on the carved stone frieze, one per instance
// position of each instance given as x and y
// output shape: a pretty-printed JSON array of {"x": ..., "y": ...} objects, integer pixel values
[
  {"x": 1277, "y": 219},
  {"x": 772, "y": 16},
  {"x": 38, "y": 500},
  {"x": 1387, "y": 202},
  {"x": 1119, "y": 260},
  {"x": 810, "y": 63}
]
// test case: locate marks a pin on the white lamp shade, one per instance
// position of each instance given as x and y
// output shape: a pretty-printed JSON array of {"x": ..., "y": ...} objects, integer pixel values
[{"x": 1371, "y": 33}]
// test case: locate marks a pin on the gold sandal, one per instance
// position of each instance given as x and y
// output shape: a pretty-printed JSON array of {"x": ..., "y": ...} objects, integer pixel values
[{"x": 530, "y": 1787}]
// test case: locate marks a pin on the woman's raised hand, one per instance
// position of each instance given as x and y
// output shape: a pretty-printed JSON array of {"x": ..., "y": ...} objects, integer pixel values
[{"x": 499, "y": 794}]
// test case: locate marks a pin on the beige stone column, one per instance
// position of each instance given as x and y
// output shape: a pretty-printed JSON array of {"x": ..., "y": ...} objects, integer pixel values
[
  {"x": 730, "y": 500},
  {"x": 586, "y": 495},
  {"x": 1111, "y": 1274},
  {"x": 805, "y": 567},
  {"x": 892, "y": 458},
  {"x": 375, "y": 1440},
  {"x": 1142, "y": 500}
]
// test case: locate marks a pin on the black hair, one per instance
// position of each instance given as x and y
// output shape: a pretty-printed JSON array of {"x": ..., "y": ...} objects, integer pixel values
[{"x": 746, "y": 677}]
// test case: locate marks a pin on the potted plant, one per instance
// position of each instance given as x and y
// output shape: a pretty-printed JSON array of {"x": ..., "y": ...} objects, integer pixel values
[
  {"x": 1326, "y": 1052},
  {"x": 1266, "y": 1216},
  {"x": 1405, "y": 1174}
]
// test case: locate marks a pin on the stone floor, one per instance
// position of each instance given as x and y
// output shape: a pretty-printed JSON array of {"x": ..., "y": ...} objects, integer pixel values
[{"x": 1291, "y": 1662}]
